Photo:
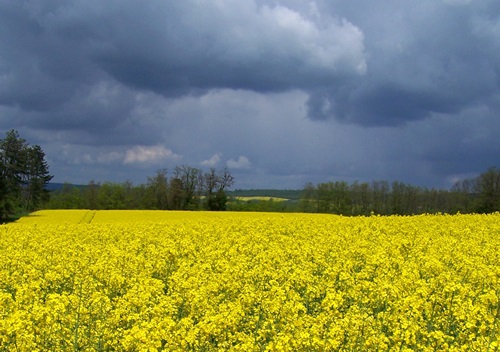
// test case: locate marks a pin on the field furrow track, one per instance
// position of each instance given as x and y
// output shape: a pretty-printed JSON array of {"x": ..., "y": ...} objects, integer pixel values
[{"x": 88, "y": 217}]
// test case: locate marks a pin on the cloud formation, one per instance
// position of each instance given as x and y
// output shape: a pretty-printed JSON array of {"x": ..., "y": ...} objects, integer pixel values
[
  {"x": 169, "y": 48},
  {"x": 151, "y": 154},
  {"x": 306, "y": 91},
  {"x": 241, "y": 163},
  {"x": 424, "y": 59},
  {"x": 212, "y": 162}
]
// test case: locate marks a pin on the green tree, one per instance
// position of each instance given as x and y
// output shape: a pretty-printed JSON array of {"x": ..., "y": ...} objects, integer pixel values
[
  {"x": 325, "y": 197},
  {"x": 4, "y": 190},
  {"x": 361, "y": 198},
  {"x": 188, "y": 186},
  {"x": 68, "y": 197},
  {"x": 24, "y": 174},
  {"x": 341, "y": 198},
  {"x": 35, "y": 178},
  {"x": 158, "y": 188},
  {"x": 380, "y": 196},
  {"x": 176, "y": 194},
  {"x": 12, "y": 152},
  {"x": 308, "y": 200},
  {"x": 91, "y": 194},
  {"x": 488, "y": 188},
  {"x": 462, "y": 196},
  {"x": 216, "y": 185}
]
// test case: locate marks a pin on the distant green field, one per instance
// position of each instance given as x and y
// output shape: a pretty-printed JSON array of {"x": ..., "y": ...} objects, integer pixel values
[
  {"x": 267, "y": 193},
  {"x": 264, "y": 198}
]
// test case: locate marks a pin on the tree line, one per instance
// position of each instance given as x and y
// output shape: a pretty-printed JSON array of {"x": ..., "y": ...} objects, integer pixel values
[
  {"x": 187, "y": 188},
  {"x": 475, "y": 195},
  {"x": 24, "y": 174}
]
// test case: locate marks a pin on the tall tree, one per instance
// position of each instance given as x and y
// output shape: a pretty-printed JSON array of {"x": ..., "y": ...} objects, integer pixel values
[
  {"x": 308, "y": 201},
  {"x": 158, "y": 187},
  {"x": 488, "y": 189},
  {"x": 35, "y": 178},
  {"x": 189, "y": 180},
  {"x": 361, "y": 198},
  {"x": 380, "y": 191},
  {"x": 176, "y": 194},
  {"x": 462, "y": 194},
  {"x": 91, "y": 195},
  {"x": 11, "y": 166},
  {"x": 4, "y": 192},
  {"x": 24, "y": 174},
  {"x": 215, "y": 189}
]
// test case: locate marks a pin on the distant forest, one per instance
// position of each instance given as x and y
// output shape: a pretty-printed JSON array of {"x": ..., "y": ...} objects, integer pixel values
[
  {"x": 476, "y": 195},
  {"x": 188, "y": 188},
  {"x": 185, "y": 190},
  {"x": 24, "y": 187}
]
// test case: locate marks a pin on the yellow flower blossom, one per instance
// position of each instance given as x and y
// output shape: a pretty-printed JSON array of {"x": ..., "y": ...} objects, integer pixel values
[{"x": 179, "y": 281}]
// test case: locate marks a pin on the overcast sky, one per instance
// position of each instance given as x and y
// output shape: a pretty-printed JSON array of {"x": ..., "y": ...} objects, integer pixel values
[{"x": 280, "y": 92}]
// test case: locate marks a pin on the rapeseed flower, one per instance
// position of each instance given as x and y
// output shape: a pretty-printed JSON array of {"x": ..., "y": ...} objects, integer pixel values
[{"x": 154, "y": 280}]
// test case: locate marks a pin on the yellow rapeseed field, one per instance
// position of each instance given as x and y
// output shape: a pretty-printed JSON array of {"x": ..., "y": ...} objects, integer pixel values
[{"x": 177, "y": 281}]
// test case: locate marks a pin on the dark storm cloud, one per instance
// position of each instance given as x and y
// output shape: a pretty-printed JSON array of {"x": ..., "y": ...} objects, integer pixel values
[
  {"x": 385, "y": 104},
  {"x": 189, "y": 46},
  {"x": 311, "y": 90},
  {"x": 39, "y": 69},
  {"x": 382, "y": 64},
  {"x": 422, "y": 58},
  {"x": 178, "y": 47},
  {"x": 55, "y": 54}
]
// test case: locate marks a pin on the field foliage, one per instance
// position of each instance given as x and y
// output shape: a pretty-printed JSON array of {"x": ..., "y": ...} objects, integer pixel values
[
  {"x": 258, "y": 198},
  {"x": 174, "y": 281}
]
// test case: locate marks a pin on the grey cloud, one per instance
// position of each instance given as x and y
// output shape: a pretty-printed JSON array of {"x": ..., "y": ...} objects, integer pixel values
[
  {"x": 419, "y": 59},
  {"x": 175, "y": 48},
  {"x": 306, "y": 91},
  {"x": 55, "y": 55},
  {"x": 422, "y": 59},
  {"x": 241, "y": 163},
  {"x": 386, "y": 104},
  {"x": 463, "y": 143},
  {"x": 39, "y": 70},
  {"x": 194, "y": 46}
]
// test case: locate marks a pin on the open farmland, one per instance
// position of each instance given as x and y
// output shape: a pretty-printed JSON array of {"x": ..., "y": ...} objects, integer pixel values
[
  {"x": 253, "y": 198},
  {"x": 154, "y": 280}
]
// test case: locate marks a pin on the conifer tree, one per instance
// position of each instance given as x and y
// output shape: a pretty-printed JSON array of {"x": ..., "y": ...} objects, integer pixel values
[{"x": 24, "y": 173}]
